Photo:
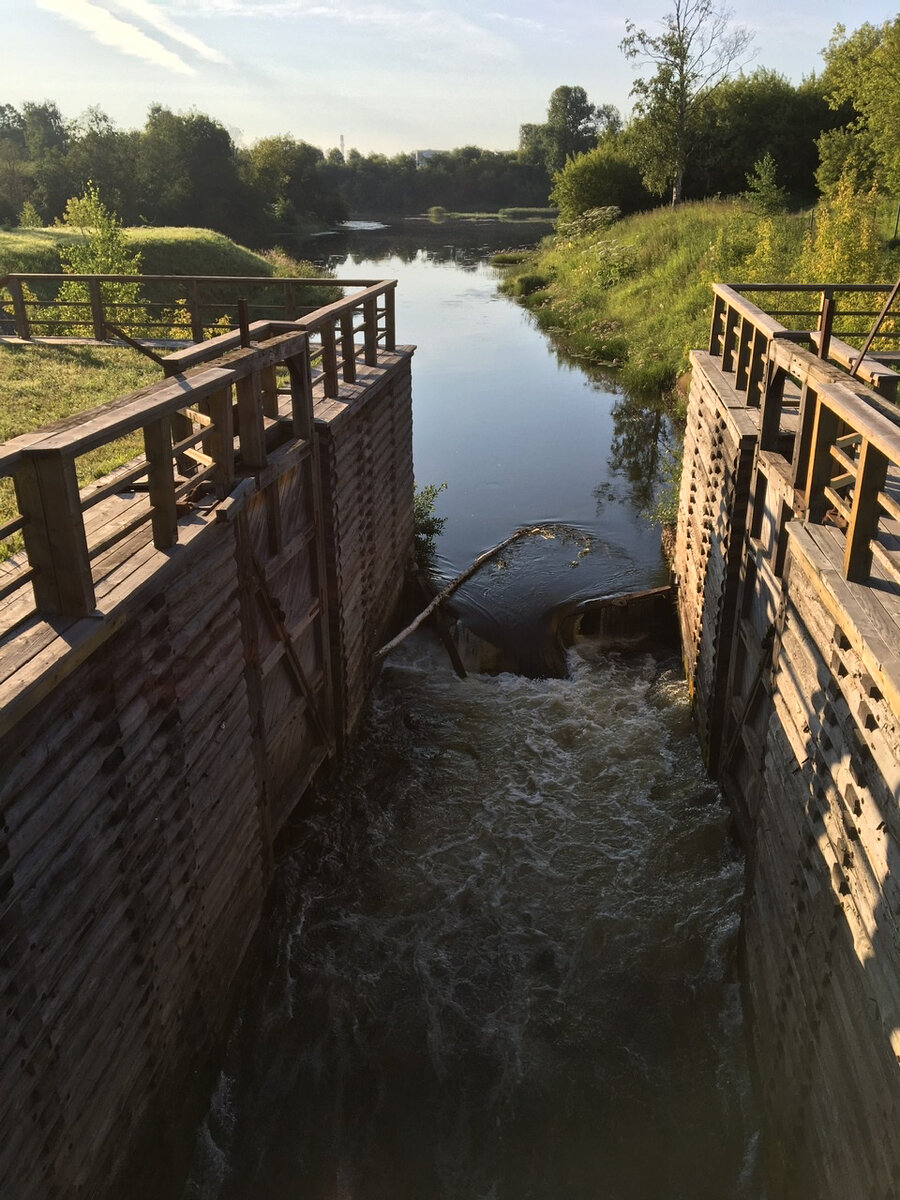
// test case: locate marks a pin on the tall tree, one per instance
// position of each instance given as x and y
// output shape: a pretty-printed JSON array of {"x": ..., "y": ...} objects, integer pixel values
[
  {"x": 572, "y": 127},
  {"x": 697, "y": 49},
  {"x": 862, "y": 68}
]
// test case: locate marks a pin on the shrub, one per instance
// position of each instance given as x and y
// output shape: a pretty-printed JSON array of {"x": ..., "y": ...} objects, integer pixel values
[
  {"x": 598, "y": 179},
  {"x": 426, "y": 525}
]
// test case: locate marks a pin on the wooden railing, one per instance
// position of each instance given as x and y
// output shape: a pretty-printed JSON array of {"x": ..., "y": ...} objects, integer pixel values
[
  {"x": 845, "y": 458},
  {"x": 169, "y": 307},
  {"x": 340, "y": 334},
  {"x": 226, "y": 404}
]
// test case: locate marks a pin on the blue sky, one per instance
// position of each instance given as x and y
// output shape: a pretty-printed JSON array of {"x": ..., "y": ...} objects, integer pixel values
[{"x": 390, "y": 75}]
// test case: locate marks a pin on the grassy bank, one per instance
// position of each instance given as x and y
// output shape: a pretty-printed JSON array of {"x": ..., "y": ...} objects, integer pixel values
[
  {"x": 164, "y": 251},
  {"x": 636, "y": 293}
]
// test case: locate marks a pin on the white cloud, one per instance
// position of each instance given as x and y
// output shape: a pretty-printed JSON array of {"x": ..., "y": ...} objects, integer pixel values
[
  {"x": 109, "y": 30},
  {"x": 150, "y": 14},
  {"x": 430, "y": 31}
]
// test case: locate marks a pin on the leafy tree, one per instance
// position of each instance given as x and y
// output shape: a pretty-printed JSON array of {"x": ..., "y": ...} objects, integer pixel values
[
  {"x": 749, "y": 116},
  {"x": 46, "y": 139},
  {"x": 697, "y": 49},
  {"x": 572, "y": 127},
  {"x": 288, "y": 178},
  {"x": 862, "y": 69},
  {"x": 102, "y": 155},
  {"x": 188, "y": 172},
  {"x": 101, "y": 249}
]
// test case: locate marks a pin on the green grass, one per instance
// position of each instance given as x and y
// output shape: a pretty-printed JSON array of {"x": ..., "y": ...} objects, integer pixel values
[
  {"x": 41, "y": 385},
  {"x": 164, "y": 251},
  {"x": 637, "y": 294}
]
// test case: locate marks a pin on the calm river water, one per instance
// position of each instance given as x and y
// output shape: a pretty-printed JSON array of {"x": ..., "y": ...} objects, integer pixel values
[{"x": 501, "y": 962}]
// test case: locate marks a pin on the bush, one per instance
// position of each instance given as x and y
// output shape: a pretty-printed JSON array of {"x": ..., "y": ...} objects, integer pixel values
[{"x": 602, "y": 177}]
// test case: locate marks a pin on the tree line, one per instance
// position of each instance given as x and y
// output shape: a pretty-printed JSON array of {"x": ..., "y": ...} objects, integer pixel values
[
  {"x": 185, "y": 169},
  {"x": 702, "y": 127}
]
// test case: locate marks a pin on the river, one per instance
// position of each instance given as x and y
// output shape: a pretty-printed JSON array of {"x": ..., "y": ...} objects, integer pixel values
[{"x": 501, "y": 961}]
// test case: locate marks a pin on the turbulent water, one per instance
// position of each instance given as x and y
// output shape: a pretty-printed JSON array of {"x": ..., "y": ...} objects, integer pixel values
[
  {"x": 503, "y": 958},
  {"x": 501, "y": 962}
]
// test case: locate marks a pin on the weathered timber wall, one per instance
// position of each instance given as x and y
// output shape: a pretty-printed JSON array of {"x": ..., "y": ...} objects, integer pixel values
[
  {"x": 151, "y": 755},
  {"x": 720, "y": 440},
  {"x": 795, "y": 686}
]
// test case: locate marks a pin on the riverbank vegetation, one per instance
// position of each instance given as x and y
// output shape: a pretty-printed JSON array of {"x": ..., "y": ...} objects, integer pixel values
[{"x": 635, "y": 292}]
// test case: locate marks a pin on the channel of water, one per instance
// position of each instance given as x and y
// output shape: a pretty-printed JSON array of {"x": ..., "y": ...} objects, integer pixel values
[{"x": 501, "y": 964}]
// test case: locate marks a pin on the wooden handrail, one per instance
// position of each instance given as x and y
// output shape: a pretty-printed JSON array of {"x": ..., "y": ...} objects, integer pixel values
[
  {"x": 217, "y": 410},
  {"x": 848, "y": 438},
  {"x": 202, "y": 310}
]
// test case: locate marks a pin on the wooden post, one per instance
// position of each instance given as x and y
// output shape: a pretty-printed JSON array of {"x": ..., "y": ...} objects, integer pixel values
[
  {"x": 161, "y": 482},
  {"x": 20, "y": 314},
  {"x": 717, "y": 328},
  {"x": 98, "y": 316},
  {"x": 329, "y": 360},
  {"x": 244, "y": 322},
  {"x": 390, "y": 324},
  {"x": 871, "y": 474},
  {"x": 290, "y": 302},
  {"x": 826, "y": 321},
  {"x": 804, "y": 437},
  {"x": 47, "y": 493},
  {"x": 731, "y": 320},
  {"x": 758, "y": 360},
  {"x": 251, "y": 428},
  {"x": 370, "y": 320},
  {"x": 348, "y": 347},
  {"x": 770, "y": 407},
  {"x": 220, "y": 443},
  {"x": 268, "y": 383},
  {"x": 301, "y": 393},
  {"x": 820, "y": 470},
  {"x": 746, "y": 329},
  {"x": 193, "y": 306}
]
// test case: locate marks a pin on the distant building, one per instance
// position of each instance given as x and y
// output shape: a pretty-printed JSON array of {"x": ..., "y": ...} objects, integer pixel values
[{"x": 422, "y": 156}]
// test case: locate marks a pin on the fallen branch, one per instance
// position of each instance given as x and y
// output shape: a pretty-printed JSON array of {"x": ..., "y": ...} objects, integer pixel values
[{"x": 452, "y": 586}]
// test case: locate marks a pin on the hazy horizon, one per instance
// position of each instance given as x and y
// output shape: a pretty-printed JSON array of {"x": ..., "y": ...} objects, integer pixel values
[{"x": 390, "y": 77}]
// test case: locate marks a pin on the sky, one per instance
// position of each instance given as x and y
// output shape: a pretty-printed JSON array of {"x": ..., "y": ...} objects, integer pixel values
[{"x": 388, "y": 75}]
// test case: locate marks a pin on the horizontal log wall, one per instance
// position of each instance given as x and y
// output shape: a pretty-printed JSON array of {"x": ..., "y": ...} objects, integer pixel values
[
  {"x": 794, "y": 679},
  {"x": 720, "y": 440},
  {"x": 148, "y": 770}
]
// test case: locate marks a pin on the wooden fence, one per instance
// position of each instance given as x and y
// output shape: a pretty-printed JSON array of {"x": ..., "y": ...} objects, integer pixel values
[
  {"x": 200, "y": 428},
  {"x": 846, "y": 453},
  {"x": 154, "y": 307}
]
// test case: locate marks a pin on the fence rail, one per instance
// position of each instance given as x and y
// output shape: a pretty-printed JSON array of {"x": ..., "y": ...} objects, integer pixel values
[
  {"x": 224, "y": 406},
  {"x": 845, "y": 458},
  {"x": 166, "y": 307}
]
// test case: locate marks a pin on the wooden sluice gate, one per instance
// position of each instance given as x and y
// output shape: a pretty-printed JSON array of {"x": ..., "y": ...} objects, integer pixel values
[
  {"x": 182, "y": 646},
  {"x": 788, "y": 575}
]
